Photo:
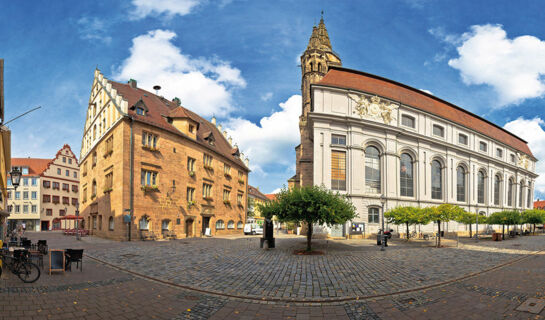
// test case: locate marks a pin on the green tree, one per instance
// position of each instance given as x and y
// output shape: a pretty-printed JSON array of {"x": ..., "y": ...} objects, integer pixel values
[
  {"x": 313, "y": 205},
  {"x": 404, "y": 215},
  {"x": 442, "y": 213},
  {"x": 468, "y": 218},
  {"x": 503, "y": 218},
  {"x": 533, "y": 217}
]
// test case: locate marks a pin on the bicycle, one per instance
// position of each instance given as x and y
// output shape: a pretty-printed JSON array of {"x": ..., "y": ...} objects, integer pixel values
[{"x": 19, "y": 265}]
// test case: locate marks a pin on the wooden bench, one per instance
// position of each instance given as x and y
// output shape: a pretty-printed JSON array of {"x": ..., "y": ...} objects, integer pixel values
[
  {"x": 170, "y": 234},
  {"x": 147, "y": 235}
]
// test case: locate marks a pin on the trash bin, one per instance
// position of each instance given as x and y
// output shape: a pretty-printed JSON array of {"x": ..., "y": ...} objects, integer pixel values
[
  {"x": 379, "y": 239},
  {"x": 496, "y": 236}
]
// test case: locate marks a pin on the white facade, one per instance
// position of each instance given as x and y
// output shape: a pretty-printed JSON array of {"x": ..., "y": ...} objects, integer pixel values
[{"x": 367, "y": 120}]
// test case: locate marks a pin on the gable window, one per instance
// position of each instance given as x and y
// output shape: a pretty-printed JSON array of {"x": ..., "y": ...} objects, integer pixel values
[
  {"x": 462, "y": 139},
  {"x": 191, "y": 128},
  {"x": 69, "y": 161},
  {"x": 338, "y": 139},
  {"x": 438, "y": 131},
  {"x": 461, "y": 184},
  {"x": 372, "y": 170},
  {"x": 408, "y": 121},
  {"x": 499, "y": 153},
  {"x": 338, "y": 170},
  {"x": 436, "y": 180},
  {"x": 59, "y": 171},
  {"x": 64, "y": 159},
  {"x": 75, "y": 174},
  {"x": 140, "y": 111},
  {"x": 373, "y": 215},
  {"x": 406, "y": 175},
  {"x": 483, "y": 146}
]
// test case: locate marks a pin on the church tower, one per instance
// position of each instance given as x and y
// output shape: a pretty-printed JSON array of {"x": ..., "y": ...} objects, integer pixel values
[{"x": 315, "y": 63}]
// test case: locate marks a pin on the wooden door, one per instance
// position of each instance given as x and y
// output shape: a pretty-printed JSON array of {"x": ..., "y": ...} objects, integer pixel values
[{"x": 189, "y": 228}]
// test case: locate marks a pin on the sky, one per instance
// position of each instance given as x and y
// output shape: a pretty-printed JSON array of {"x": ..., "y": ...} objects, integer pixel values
[{"x": 239, "y": 61}]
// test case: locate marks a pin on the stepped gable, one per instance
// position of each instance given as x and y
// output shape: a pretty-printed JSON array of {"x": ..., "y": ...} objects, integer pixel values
[
  {"x": 352, "y": 79},
  {"x": 159, "y": 108}
]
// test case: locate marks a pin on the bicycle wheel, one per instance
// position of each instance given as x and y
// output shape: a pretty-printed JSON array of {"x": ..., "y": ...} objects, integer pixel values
[{"x": 28, "y": 272}]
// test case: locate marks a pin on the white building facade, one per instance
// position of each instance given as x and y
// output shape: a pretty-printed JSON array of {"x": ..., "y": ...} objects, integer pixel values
[{"x": 374, "y": 137}]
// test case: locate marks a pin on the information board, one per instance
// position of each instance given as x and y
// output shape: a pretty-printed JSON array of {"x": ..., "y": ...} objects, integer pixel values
[
  {"x": 56, "y": 260},
  {"x": 357, "y": 228}
]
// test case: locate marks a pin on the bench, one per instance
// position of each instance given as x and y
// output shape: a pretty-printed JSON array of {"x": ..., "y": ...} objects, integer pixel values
[
  {"x": 170, "y": 234},
  {"x": 147, "y": 235}
]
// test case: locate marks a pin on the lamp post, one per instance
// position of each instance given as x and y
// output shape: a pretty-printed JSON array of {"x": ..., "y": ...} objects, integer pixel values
[
  {"x": 382, "y": 201},
  {"x": 15, "y": 175},
  {"x": 77, "y": 221}
]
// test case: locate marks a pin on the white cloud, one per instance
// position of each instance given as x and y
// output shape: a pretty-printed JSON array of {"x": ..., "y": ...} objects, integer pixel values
[
  {"x": 203, "y": 85},
  {"x": 514, "y": 68},
  {"x": 170, "y": 8},
  {"x": 93, "y": 28},
  {"x": 532, "y": 131},
  {"x": 275, "y": 137},
  {"x": 266, "y": 96},
  {"x": 426, "y": 91}
]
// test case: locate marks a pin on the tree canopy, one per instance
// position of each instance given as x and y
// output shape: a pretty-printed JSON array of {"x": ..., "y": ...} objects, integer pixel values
[{"x": 404, "y": 215}]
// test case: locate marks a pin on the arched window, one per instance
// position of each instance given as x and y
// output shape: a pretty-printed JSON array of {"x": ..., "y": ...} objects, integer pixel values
[
  {"x": 510, "y": 193},
  {"x": 220, "y": 225},
  {"x": 497, "y": 190},
  {"x": 111, "y": 224},
  {"x": 240, "y": 225},
  {"x": 520, "y": 192},
  {"x": 406, "y": 175},
  {"x": 372, "y": 170},
  {"x": 436, "y": 180},
  {"x": 529, "y": 196},
  {"x": 143, "y": 224},
  {"x": 373, "y": 216},
  {"x": 461, "y": 184},
  {"x": 480, "y": 187},
  {"x": 165, "y": 225},
  {"x": 230, "y": 224}
]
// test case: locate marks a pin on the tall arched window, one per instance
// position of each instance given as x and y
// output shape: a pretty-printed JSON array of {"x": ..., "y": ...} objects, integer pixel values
[
  {"x": 461, "y": 184},
  {"x": 520, "y": 192},
  {"x": 480, "y": 187},
  {"x": 510, "y": 192},
  {"x": 497, "y": 190},
  {"x": 406, "y": 175},
  {"x": 436, "y": 180},
  {"x": 529, "y": 196},
  {"x": 372, "y": 170}
]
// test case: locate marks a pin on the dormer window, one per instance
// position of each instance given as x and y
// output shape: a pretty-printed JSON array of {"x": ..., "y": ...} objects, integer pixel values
[
  {"x": 140, "y": 111},
  {"x": 191, "y": 128}
]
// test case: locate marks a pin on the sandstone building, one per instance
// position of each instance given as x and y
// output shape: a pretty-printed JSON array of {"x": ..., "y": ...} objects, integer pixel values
[
  {"x": 372, "y": 138},
  {"x": 150, "y": 158}
]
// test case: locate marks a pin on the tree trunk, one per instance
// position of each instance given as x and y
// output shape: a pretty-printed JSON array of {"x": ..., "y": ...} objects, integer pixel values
[
  {"x": 503, "y": 232},
  {"x": 534, "y": 229},
  {"x": 309, "y": 235},
  {"x": 407, "y": 224},
  {"x": 470, "y": 232},
  {"x": 439, "y": 234}
]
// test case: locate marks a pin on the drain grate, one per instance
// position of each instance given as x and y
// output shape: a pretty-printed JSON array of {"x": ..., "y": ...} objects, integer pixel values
[{"x": 532, "y": 305}]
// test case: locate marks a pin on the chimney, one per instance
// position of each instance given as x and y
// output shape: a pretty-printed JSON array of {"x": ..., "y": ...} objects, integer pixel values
[
  {"x": 213, "y": 120},
  {"x": 219, "y": 127},
  {"x": 132, "y": 83},
  {"x": 177, "y": 101},
  {"x": 225, "y": 133},
  {"x": 247, "y": 162},
  {"x": 230, "y": 141}
]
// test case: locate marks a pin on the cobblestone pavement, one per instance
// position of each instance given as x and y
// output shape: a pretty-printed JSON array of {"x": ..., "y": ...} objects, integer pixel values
[{"x": 102, "y": 292}]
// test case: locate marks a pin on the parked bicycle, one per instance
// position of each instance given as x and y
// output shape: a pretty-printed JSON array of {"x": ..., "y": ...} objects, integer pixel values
[{"x": 20, "y": 265}]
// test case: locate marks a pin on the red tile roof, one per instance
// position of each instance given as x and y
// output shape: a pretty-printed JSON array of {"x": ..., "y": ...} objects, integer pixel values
[
  {"x": 253, "y": 191},
  {"x": 35, "y": 166},
  {"x": 271, "y": 196},
  {"x": 539, "y": 204},
  {"x": 160, "y": 108},
  {"x": 361, "y": 81}
]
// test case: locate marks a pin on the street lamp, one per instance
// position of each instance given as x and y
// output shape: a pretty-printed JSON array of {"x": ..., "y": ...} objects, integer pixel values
[
  {"x": 77, "y": 221},
  {"x": 382, "y": 201},
  {"x": 15, "y": 175}
]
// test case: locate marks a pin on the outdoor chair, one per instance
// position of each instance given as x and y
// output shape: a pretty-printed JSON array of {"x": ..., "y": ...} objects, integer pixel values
[
  {"x": 170, "y": 234},
  {"x": 147, "y": 235},
  {"x": 74, "y": 255},
  {"x": 42, "y": 247},
  {"x": 26, "y": 243}
]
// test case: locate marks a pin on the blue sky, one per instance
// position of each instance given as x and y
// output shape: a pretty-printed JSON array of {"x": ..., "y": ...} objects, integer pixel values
[{"x": 238, "y": 60}]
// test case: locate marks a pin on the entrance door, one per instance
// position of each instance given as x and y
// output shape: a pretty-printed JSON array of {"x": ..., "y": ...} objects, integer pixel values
[
  {"x": 45, "y": 225},
  {"x": 205, "y": 224},
  {"x": 189, "y": 228}
]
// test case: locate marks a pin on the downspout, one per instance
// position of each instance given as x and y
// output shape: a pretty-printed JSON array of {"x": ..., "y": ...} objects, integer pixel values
[{"x": 131, "y": 177}]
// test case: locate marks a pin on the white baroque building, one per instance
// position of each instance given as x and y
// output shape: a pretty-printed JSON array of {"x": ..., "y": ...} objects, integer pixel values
[{"x": 367, "y": 137}]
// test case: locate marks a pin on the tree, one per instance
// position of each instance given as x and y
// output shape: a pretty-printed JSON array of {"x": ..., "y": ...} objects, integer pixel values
[
  {"x": 404, "y": 215},
  {"x": 468, "y": 218},
  {"x": 533, "y": 217},
  {"x": 506, "y": 217},
  {"x": 442, "y": 213},
  {"x": 313, "y": 205}
]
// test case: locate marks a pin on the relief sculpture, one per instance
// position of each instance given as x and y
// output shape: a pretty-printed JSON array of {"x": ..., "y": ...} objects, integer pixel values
[{"x": 374, "y": 108}]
